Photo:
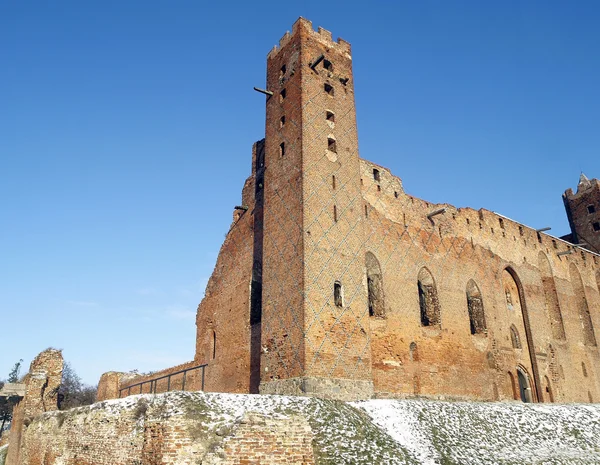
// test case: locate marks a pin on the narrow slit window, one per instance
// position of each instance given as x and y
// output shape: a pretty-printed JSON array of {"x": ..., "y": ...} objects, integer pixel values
[
  {"x": 282, "y": 122},
  {"x": 376, "y": 175},
  {"x": 214, "y": 345},
  {"x": 501, "y": 222},
  {"x": 521, "y": 232},
  {"x": 282, "y": 71},
  {"x": 335, "y": 217},
  {"x": 366, "y": 211},
  {"x": 338, "y": 294},
  {"x": 330, "y": 116},
  {"x": 333, "y": 181},
  {"x": 329, "y": 89},
  {"x": 282, "y": 95},
  {"x": 331, "y": 146},
  {"x": 282, "y": 149},
  {"x": 327, "y": 65},
  {"x": 396, "y": 194}
]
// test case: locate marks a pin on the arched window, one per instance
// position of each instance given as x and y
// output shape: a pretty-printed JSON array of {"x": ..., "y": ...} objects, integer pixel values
[
  {"x": 580, "y": 302},
  {"x": 515, "y": 338},
  {"x": 338, "y": 294},
  {"x": 428, "y": 299},
  {"x": 475, "y": 307},
  {"x": 552, "y": 305},
  {"x": 375, "y": 286},
  {"x": 524, "y": 385},
  {"x": 511, "y": 291}
]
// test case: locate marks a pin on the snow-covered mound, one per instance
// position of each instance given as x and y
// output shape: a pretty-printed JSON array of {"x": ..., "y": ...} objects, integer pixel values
[
  {"x": 382, "y": 432},
  {"x": 491, "y": 433}
]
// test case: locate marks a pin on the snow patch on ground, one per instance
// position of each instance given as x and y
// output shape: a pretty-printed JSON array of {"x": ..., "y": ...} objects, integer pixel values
[{"x": 472, "y": 433}]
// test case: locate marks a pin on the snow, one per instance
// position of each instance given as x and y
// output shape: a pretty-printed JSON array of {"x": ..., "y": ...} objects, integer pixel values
[{"x": 394, "y": 432}]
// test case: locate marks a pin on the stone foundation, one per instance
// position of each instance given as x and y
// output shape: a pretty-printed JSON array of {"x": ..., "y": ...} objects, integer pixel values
[{"x": 325, "y": 388}]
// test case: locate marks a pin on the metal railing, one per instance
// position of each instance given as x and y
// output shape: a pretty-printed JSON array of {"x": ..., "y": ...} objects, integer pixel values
[{"x": 154, "y": 381}]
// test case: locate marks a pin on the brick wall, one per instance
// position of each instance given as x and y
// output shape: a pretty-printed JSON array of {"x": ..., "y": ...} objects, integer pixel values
[{"x": 153, "y": 430}]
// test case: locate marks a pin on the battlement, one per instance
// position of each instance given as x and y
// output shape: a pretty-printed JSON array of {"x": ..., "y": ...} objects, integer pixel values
[{"x": 322, "y": 35}]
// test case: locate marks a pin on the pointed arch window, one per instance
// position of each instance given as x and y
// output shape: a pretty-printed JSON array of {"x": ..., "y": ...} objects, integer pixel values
[
  {"x": 375, "y": 286},
  {"x": 475, "y": 307},
  {"x": 428, "y": 299},
  {"x": 515, "y": 338}
]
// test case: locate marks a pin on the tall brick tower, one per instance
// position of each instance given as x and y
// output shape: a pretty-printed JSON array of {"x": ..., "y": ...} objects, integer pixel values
[
  {"x": 583, "y": 211},
  {"x": 314, "y": 324}
]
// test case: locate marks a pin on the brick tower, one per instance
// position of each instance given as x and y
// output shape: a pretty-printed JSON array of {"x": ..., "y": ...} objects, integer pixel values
[
  {"x": 314, "y": 324},
  {"x": 583, "y": 211}
]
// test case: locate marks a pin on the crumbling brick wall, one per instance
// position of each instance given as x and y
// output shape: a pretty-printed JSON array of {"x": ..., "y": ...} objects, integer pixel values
[
  {"x": 42, "y": 382},
  {"x": 153, "y": 430}
]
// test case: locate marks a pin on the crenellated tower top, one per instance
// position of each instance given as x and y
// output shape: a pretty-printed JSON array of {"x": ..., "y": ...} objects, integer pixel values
[{"x": 322, "y": 35}]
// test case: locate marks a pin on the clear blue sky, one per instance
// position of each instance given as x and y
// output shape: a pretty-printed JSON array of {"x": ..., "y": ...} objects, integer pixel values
[{"x": 126, "y": 131}]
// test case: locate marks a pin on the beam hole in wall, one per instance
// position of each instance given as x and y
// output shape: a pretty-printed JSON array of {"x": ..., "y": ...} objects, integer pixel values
[
  {"x": 396, "y": 194},
  {"x": 282, "y": 95},
  {"x": 521, "y": 232},
  {"x": 282, "y": 150},
  {"x": 501, "y": 222},
  {"x": 331, "y": 145},
  {"x": 428, "y": 299},
  {"x": 338, "y": 294},
  {"x": 328, "y": 89}
]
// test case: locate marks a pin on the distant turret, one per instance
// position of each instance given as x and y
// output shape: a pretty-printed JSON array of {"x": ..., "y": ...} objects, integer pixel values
[{"x": 583, "y": 211}]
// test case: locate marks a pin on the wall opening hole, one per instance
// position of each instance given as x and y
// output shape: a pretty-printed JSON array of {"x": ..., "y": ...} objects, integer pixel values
[
  {"x": 282, "y": 71},
  {"x": 376, "y": 175},
  {"x": 333, "y": 181},
  {"x": 338, "y": 294},
  {"x": 282, "y": 149},
  {"x": 282, "y": 95},
  {"x": 591, "y": 209},
  {"x": 331, "y": 146},
  {"x": 330, "y": 116},
  {"x": 282, "y": 122},
  {"x": 327, "y": 65},
  {"x": 329, "y": 89},
  {"x": 335, "y": 217},
  {"x": 596, "y": 226}
]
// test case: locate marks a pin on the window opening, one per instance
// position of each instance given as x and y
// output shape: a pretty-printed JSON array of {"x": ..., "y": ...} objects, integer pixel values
[
  {"x": 282, "y": 149},
  {"x": 333, "y": 181},
  {"x": 428, "y": 299},
  {"x": 331, "y": 146},
  {"x": 501, "y": 221},
  {"x": 282, "y": 122},
  {"x": 335, "y": 217},
  {"x": 596, "y": 226},
  {"x": 329, "y": 89},
  {"x": 282, "y": 71},
  {"x": 515, "y": 338},
  {"x": 330, "y": 116},
  {"x": 475, "y": 307},
  {"x": 591, "y": 209},
  {"x": 375, "y": 286},
  {"x": 282, "y": 95},
  {"x": 376, "y": 175},
  {"x": 338, "y": 295},
  {"x": 327, "y": 65},
  {"x": 214, "y": 345}
]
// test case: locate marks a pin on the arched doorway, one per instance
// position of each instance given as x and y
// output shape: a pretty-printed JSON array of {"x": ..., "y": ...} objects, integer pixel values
[{"x": 524, "y": 385}]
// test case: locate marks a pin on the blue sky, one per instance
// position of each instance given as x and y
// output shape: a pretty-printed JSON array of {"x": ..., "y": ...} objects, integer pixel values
[{"x": 126, "y": 132}]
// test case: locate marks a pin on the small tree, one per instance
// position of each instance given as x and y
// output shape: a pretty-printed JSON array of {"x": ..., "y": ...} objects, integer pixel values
[
  {"x": 72, "y": 392},
  {"x": 7, "y": 403}
]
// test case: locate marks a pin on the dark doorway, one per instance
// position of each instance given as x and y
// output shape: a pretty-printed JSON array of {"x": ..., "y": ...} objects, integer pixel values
[{"x": 524, "y": 387}]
